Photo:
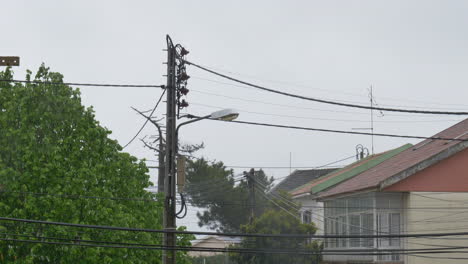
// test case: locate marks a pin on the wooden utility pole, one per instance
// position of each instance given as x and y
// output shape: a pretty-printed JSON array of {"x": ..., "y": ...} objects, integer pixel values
[
  {"x": 251, "y": 183},
  {"x": 169, "y": 218}
]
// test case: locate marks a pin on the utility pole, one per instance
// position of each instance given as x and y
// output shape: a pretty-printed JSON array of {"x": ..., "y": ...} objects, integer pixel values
[
  {"x": 169, "y": 218},
  {"x": 251, "y": 183}
]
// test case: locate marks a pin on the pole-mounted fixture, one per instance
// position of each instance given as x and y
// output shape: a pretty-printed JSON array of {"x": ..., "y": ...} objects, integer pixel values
[{"x": 9, "y": 61}]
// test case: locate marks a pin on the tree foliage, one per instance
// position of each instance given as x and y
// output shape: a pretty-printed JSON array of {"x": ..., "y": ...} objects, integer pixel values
[
  {"x": 276, "y": 221},
  {"x": 52, "y": 153},
  {"x": 212, "y": 186}
]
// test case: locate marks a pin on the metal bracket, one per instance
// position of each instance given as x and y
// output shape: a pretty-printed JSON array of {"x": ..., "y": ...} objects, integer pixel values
[{"x": 9, "y": 61}]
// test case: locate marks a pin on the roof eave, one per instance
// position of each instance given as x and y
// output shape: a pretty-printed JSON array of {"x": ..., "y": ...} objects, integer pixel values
[{"x": 346, "y": 194}]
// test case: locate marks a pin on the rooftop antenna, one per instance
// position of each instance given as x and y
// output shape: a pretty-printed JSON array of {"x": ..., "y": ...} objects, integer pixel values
[
  {"x": 361, "y": 152},
  {"x": 371, "y": 128}
]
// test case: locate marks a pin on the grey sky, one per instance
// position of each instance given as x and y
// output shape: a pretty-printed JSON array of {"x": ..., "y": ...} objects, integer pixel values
[{"x": 412, "y": 52}]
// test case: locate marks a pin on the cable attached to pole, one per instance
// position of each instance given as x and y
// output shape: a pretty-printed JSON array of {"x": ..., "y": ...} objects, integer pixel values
[{"x": 322, "y": 100}]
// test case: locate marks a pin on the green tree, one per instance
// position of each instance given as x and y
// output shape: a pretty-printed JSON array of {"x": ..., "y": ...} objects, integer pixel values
[
  {"x": 275, "y": 221},
  {"x": 212, "y": 186},
  {"x": 52, "y": 147}
]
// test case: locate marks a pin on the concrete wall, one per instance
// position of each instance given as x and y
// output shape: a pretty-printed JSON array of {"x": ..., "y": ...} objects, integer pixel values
[{"x": 436, "y": 212}]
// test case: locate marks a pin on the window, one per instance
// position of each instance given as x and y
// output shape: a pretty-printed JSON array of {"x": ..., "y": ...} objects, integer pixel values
[
  {"x": 389, "y": 223},
  {"x": 356, "y": 216},
  {"x": 307, "y": 217}
]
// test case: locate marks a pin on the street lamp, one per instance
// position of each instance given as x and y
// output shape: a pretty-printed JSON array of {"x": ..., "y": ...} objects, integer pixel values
[
  {"x": 170, "y": 214},
  {"x": 225, "y": 115}
]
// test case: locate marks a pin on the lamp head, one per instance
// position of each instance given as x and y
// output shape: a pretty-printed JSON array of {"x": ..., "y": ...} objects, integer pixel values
[{"x": 225, "y": 115}]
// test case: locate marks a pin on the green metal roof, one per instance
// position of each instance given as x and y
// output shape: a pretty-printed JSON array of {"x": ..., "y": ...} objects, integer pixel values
[{"x": 367, "y": 163}]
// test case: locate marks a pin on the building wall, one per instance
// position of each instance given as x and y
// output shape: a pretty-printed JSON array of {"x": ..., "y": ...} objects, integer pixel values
[
  {"x": 307, "y": 203},
  {"x": 448, "y": 175},
  {"x": 444, "y": 215},
  {"x": 210, "y": 242}
]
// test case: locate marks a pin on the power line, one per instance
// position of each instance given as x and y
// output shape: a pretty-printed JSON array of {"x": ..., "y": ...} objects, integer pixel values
[
  {"x": 72, "y": 196},
  {"x": 146, "y": 121},
  {"x": 274, "y": 167},
  {"x": 76, "y": 196},
  {"x": 323, "y": 90},
  {"x": 325, "y": 101},
  {"x": 279, "y": 206},
  {"x": 137, "y": 245},
  {"x": 333, "y": 131},
  {"x": 87, "y": 84},
  {"x": 324, "y": 119},
  {"x": 370, "y": 252},
  {"x": 417, "y": 235}
]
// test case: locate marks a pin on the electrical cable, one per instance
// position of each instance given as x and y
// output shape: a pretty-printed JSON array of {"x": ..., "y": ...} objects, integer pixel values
[
  {"x": 323, "y": 119},
  {"x": 279, "y": 206},
  {"x": 324, "y": 101},
  {"x": 278, "y": 196},
  {"x": 335, "y": 91},
  {"x": 75, "y": 196},
  {"x": 71, "y": 196},
  {"x": 331, "y": 130},
  {"x": 146, "y": 121},
  {"x": 87, "y": 84},
  {"x": 369, "y": 252},
  {"x": 183, "y": 207},
  {"x": 115, "y": 228}
]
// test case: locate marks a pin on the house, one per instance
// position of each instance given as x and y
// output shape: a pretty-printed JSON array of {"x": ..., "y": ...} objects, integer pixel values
[
  {"x": 212, "y": 242},
  {"x": 296, "y": 179},
  {"x": 311, "y": 208},
  {"x": 419, "y": 190}
]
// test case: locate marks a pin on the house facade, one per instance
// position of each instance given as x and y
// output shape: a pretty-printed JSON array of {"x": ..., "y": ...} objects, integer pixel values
[
  {"x": 421, "y": 189},
  {"x": 312, "y": 209},
  {"x": 295, "y": 180}
]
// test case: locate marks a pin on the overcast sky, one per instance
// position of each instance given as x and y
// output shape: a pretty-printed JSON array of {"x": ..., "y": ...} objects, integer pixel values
[{"x": 413, "y": 53}]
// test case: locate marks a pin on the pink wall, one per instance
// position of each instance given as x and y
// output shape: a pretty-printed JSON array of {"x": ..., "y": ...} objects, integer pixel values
[{"x": 449, "y": 175}]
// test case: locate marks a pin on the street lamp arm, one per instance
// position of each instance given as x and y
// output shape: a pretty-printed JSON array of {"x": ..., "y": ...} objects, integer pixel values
[{"x": 195, "y": 119}]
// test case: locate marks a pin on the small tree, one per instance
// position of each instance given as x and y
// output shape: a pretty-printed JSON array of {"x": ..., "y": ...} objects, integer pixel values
[
  {"x": 275, "y": 221},
  {"x": 212, "y": 186}
]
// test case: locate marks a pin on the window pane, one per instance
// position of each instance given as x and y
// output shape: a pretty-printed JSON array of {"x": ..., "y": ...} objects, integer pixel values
[
  {"x": 383, "y": 229},
  {"x": 367, "y": 229},
  {"x": 343, "y": 230},
  {"x": 354, "y": 229},
  {"x": 395, "y": 228}
]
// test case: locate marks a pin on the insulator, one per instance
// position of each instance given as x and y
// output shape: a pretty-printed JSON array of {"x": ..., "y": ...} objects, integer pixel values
[
  {"x": 183, "y": 90},
  {"x": 183, "y": 76},
  {"x": 183, "y": 104},
  {"x": 183, "y": 52}
]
